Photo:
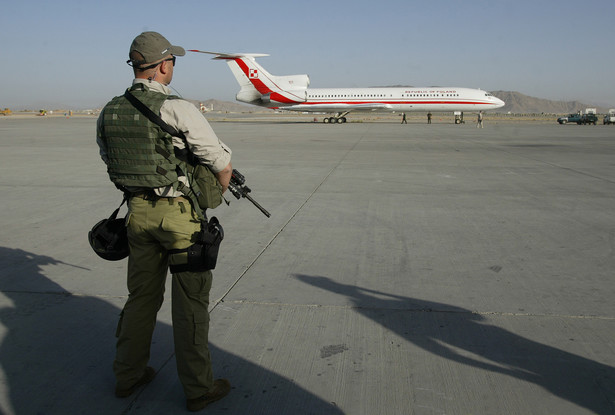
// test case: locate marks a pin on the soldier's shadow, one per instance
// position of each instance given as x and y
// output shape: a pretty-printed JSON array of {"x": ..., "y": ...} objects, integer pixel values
[
  {"x": 57, "y": 349},
  {"x": 444, "y": 330}
]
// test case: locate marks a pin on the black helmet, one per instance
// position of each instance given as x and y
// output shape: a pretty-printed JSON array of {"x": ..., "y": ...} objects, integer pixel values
[{"x": 109, "y": 240}]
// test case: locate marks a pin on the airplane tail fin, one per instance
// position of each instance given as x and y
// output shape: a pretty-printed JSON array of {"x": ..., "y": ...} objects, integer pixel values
[{"x": 260, "y": 87}]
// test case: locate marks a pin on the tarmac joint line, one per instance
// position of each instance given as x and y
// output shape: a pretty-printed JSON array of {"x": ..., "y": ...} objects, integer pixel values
[
  {"x": 429, "y": 310},
  {"x": 221, "y": 299}
]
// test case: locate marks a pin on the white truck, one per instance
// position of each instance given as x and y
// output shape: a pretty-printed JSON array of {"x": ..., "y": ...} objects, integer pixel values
[{"x": 609, "y": 118}]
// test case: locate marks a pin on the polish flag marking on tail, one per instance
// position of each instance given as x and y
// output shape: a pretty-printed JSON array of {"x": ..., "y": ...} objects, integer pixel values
[{"x": 253, "y": 73}]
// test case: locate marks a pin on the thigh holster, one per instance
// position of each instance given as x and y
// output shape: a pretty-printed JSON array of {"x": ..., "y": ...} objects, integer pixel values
[{"x": 203, "y": 254}]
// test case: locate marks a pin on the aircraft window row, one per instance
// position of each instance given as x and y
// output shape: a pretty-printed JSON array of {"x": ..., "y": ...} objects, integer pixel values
[
  {"x": 348, "y": 96},
  {"x": 383, "y": 96}
]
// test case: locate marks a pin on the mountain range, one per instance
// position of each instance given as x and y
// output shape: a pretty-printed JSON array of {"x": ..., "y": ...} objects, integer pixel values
[{"x": 518, "y": 103}]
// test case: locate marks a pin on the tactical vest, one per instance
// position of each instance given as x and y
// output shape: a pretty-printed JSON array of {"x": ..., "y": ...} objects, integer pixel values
[
  {"x": 137, "y": 148},
  {"x": 141, "y": 154}
]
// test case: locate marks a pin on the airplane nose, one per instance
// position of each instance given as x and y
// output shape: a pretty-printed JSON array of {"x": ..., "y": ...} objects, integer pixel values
[{"x": 499, "y": 103}]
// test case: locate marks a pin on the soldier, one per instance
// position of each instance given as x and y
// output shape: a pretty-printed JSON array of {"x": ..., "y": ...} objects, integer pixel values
[{"x": 161, "y": 222}]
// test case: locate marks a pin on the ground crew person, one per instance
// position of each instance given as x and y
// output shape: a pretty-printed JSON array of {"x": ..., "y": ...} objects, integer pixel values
[{"x": 161, "y": 219}]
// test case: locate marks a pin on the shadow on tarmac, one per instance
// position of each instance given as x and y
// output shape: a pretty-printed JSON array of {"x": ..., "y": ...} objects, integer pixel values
[
  {"x": 57, "y": 351},
  {"x": 574, "y": 378}
]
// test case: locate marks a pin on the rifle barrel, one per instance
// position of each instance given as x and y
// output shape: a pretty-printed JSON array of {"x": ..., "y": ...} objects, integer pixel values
[{"x": 255, "y": 203}]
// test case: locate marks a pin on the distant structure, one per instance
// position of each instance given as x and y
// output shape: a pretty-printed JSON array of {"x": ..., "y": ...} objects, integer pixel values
[{"x": 204, "y": 109}]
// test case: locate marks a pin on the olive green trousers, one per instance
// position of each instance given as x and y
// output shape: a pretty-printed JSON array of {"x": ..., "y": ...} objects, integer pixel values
[{"x": 154, "y": 227}]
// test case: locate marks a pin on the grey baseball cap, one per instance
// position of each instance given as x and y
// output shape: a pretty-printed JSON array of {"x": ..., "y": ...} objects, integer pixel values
[{"x": 153, "y": 47}]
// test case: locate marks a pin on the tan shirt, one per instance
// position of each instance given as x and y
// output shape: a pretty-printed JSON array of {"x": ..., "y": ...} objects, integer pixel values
[{"x": 201, "y": 139}]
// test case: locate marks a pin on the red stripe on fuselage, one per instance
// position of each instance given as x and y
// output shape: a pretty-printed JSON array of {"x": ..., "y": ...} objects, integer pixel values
[{"x": 281, "y": 98}]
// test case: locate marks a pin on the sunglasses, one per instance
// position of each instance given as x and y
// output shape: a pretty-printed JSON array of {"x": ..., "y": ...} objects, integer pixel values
[{"x": 131, "y": 63}]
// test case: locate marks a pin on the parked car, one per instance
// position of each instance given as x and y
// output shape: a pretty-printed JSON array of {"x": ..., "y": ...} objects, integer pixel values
[{"x": 579, "y": 119}]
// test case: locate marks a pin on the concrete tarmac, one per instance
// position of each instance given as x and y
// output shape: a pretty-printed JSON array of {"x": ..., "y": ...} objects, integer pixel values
[{"x": 406, "y": 269}]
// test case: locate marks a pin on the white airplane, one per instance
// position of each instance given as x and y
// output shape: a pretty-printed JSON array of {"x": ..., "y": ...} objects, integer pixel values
[{"x": 291, "y": 92}]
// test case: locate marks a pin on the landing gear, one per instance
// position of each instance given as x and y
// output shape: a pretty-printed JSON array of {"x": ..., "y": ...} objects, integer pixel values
[
  {"x": 333, "y": 120},
  {"x": 340, "y": 118},
  {"x": 459, "y": 117}
]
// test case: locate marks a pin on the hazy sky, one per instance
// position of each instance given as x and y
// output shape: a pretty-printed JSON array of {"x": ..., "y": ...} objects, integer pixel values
[{"x": 73, "y": 53}]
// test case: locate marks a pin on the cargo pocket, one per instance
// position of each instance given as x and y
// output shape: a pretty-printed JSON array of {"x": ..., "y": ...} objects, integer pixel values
[{"x": 201, "y": 328}]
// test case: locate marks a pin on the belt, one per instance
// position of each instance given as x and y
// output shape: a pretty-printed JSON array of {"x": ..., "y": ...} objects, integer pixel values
[{"x": 151, "y": 196}]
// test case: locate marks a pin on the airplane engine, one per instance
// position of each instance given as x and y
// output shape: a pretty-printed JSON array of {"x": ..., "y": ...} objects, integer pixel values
[
  {"x": 293, "y": 81},
  {"x": 248, "y": 95}
]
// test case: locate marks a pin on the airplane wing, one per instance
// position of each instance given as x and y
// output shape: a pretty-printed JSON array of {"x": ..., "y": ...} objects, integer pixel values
[
  {"x": 371, "y": 106},
  {"x": 345, "y": 107}
]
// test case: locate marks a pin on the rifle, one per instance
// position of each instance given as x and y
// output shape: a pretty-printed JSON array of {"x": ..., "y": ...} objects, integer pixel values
[{"x": 238, "y": 188}]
